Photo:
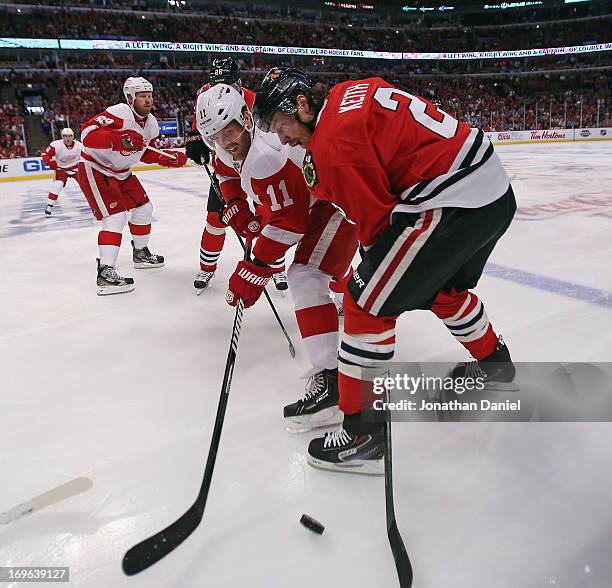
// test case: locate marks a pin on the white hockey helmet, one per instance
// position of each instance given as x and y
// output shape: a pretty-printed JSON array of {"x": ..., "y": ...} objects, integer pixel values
[
  {"x": 67, "y": 132},
  {"x": 132, "y": 86},
  {"x": 219, "y": 106}
]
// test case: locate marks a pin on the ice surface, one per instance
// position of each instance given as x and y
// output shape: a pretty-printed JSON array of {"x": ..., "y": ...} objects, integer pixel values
[{"x": 124, "y": 389}]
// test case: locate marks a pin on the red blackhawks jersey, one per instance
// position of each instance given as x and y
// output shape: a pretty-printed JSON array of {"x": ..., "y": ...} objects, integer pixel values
[
  {"x": 96, "y": 143},
  {"x": 377, "y": 150},
  {"x": 271, "y": 175},
  {"x": 67, "y": 158},
  {"x": 248, "y": 95}
]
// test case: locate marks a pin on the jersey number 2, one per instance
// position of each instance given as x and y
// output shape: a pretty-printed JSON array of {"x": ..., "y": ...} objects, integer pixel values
[{"x": 437, "y": 121}]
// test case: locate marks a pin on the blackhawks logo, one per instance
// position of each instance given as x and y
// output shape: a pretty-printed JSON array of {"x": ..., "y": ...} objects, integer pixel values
[{"x": 309, "y": 169}]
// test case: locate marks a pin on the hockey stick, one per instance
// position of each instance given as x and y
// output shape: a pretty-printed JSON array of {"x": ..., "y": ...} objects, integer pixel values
[
  {"x": 155, "y": 150},
  {"x": 278, "y": 318},
  {"x": 151, "y": 550},
  {"x": 402, "y": 561},
  {"x": 45, "y": 499}
]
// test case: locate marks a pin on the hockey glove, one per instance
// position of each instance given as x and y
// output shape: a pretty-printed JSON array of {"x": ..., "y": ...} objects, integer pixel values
[
  {"x": 238, "y": 215},
  {"x": 247, "y": 282},
  {"x": 173, "y": 159},
  {"x": 126, "y": 142},
  {"x": 196, "y": 149}
]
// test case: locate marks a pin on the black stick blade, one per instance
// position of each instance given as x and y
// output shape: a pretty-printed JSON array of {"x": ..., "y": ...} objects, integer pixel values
[
  {"x": 151, "y": 550},
  {"x": 402, "y": 561}
]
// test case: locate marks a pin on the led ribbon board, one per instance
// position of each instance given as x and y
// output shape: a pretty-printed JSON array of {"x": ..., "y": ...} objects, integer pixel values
[{"x": 116, "y": 45}]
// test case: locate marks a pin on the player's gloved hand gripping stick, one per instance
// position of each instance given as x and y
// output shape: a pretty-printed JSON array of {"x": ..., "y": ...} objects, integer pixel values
[
  {"x": 169, "y": 158},
  {"x": 244, "y": 247}
]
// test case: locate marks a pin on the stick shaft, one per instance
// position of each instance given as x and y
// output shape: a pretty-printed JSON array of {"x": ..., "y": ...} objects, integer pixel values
[
  {"x": 53, "y": 496},
  {"x": 165, "y": 153}
]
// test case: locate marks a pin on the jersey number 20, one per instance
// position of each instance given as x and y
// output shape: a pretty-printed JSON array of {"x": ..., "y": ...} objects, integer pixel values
[{"x": 438, "y": 121}]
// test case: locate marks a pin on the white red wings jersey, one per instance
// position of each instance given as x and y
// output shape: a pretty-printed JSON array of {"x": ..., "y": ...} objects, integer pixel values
[
  {"x": 378, "y": 150},
  {"x": 271, "y": 175},
  {"x": 96, "y": 150},
  {"x": 67, "y": 158},
  {"x": 248, "y": 95}
]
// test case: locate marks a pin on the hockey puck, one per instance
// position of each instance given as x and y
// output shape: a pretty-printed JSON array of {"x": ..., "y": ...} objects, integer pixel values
[{"x": 310, "y": 523}]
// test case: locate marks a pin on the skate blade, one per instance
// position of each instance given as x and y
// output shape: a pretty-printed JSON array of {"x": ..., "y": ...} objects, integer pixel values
[
  {"x": 368, "y": 467},
  {"x": 109, "y": 290},
  {"x": 328, "y": 417},
  {"x": 200, "y": 290},
  {"x": 141, "y": 265}
]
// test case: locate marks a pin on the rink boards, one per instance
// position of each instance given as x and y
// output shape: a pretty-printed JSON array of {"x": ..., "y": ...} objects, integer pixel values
[{"x": 32, "y": 168}]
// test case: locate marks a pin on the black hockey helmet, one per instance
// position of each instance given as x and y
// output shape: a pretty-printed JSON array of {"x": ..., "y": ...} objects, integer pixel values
[
  {"x": 224, "y": 71},
  {"x": 277, "y": 94}
]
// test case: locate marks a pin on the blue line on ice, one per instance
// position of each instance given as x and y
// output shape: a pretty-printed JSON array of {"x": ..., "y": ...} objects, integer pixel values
[{"x": 547, "y": 284}]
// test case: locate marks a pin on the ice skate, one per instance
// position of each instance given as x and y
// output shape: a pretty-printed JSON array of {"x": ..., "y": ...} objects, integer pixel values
[
  {"x": 280, "y": 282},
  {"x": 202, "y": 280},
  {"x": 319, "y": 405},
  {"x": 48, "y": 209},
  {"x": 496, "y": 369},
  {"x": 110, "y": 282},
  {"x": 342, "y": 451},
  {"x": 143, "y": 258}
]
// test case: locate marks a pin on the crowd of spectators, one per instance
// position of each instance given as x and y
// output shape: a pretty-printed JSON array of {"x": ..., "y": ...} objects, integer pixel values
[
  {"x": 512, "y": 104},
  {"x": 99, "y": 24},
  {"x": 11, "y": 131},
  {"x": 305, "y": 10}
]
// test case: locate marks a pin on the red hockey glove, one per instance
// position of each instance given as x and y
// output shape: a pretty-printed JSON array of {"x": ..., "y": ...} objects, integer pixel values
[
  {"x": 53, "y": 164},
  {"x": 238, "y": 215},
  {"x": 247, "y": 282},
  {"x": 173, "y": 159},
  {"x": 126, "y": 142}
]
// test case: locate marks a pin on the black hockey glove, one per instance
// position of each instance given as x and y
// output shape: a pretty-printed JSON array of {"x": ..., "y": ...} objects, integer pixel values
[{"x": 196, "y": 149}]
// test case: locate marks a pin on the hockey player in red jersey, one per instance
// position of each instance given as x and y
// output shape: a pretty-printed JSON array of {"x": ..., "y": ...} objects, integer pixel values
[
  {"x": 222, "y": 71},
  {"x": 430, "y": 200},
  {"x": 62, "y": 156},
  {"x": 253, "y": 164},
  {"x": 113, "y": 142}
]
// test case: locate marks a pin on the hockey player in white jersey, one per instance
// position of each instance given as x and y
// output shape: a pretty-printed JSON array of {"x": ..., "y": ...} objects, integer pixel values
[
  {"x": 253, "y": 164},
  {"x": 114, "y": 141},
  {"x": 62, "y": 156}
]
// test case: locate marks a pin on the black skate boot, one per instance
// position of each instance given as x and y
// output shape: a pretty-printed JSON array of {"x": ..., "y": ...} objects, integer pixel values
[
  {"x": 202, "y": 280},
  {"x": 49, "y": 209},
  {"x": 496, "y": 369},
  {"x": 143, "y": 258},
  {"x": 110, "y": 282},
  {"x": 319, "y": 405},
  {"x": 280, "y": 281},
  {"x": 356, "y": 447}
]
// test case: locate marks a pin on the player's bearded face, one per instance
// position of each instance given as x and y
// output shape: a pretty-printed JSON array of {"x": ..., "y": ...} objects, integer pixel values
[
  {"x": 68, "y": 140},
  {"x": 143, "y": 103},
  {"x": 235, "y": 139},
  {"x": 290, "y": 130}
]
